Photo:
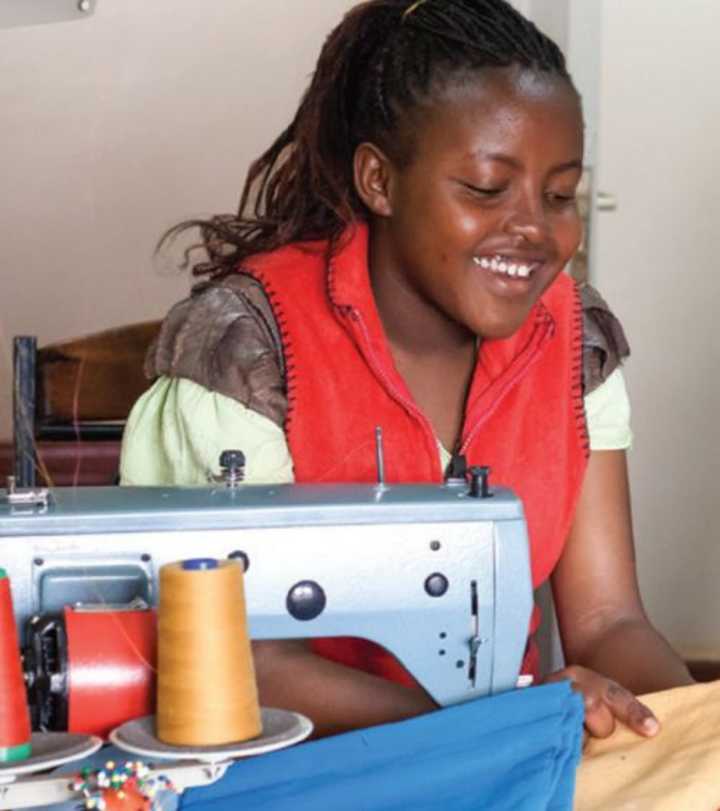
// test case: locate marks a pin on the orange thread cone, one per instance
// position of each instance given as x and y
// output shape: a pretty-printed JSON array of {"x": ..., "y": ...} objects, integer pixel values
[
  {"x": 207, "y": 695},
  {"x": 14, "y": 716}
]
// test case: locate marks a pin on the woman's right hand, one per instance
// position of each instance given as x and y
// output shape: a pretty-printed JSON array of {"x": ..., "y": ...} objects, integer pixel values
[{"x": 606, "y": 703}]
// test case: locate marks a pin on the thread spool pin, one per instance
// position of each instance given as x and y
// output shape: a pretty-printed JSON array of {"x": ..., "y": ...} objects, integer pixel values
[{"x": 380, "y": 457}]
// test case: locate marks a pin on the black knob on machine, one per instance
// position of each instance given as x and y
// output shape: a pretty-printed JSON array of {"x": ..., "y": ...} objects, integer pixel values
[
  {"x": 306, "y": 600},
  {"x": 232, "y": 460},
  {"x": 437, "y": 585},
  {"x": 480, "y": 482},
  {"x": 232, "y": 467},
  {"x": 241, "y": 556}
]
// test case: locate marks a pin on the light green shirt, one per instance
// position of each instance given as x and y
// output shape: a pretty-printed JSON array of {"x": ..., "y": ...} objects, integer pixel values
[{"x": 178, "y": 429}]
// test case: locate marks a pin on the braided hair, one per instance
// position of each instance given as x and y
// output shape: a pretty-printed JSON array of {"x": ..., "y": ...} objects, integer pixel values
[{"x": 385, "y": 58}]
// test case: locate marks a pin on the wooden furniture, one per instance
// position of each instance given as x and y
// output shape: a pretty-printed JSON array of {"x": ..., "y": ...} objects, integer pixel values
[
  {"x": 70, "y": 403},
  {"x": 68, "y": 464}
]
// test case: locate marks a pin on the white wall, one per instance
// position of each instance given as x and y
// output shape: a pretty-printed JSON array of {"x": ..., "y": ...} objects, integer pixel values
[
  {"x": 115, "y": 127},
  {"x": 647, "y": 71},
  {"x": 656, "y": 261}
]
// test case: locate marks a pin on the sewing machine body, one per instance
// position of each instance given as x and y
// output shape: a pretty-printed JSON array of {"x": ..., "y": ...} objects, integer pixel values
[{"x": 438, "y": 577}]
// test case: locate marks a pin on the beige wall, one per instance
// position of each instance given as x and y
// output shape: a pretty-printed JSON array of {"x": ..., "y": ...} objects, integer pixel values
[
  {"x": 656, "y": 261},
  {"x": 116, "y": 126}
]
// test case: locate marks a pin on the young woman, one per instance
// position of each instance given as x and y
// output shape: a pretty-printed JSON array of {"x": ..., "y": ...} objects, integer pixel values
[{"x": 397, "y": 260}]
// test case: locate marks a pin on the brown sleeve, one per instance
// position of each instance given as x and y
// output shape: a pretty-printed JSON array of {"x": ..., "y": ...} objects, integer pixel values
[
  {"x": 224, "y": 337},
  {"x": 604, "y": 343}
]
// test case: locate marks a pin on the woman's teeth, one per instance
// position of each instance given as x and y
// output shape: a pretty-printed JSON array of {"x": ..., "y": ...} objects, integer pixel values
[{"x": 503, "y": 266}]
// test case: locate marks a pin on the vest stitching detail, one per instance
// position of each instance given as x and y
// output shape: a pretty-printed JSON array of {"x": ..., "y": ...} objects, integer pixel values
[
  {"x": 287, "y": 349},
  {"x": 576, "y": 383}
]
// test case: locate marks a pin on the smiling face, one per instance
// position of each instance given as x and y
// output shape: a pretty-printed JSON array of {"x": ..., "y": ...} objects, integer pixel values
[{"x": 471, "y": 230}]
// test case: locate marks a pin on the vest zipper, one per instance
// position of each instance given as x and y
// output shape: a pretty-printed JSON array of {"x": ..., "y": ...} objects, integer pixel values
[
  {"x": 482, "y": 419},
  {"x": 414, "y": 410},
  {"x": 376, "y": 366},
  {"x": 488, "y": 413}
]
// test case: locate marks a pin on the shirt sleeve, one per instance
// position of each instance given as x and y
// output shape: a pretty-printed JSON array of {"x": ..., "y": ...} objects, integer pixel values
[
  {"x": 178, "y": 429},
  {"x": 607, "y": 410}
]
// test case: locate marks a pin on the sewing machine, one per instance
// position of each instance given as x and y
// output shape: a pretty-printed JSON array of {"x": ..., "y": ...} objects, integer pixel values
[{"x": 436, "y": 574}]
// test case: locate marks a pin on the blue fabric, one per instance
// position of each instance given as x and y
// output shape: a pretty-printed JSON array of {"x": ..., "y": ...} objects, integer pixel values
[{"x": 517, "y": 751}]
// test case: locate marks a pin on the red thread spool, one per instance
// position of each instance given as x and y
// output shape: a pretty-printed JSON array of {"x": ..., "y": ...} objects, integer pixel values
[
  {"x": 113, "y": 650},
  {"x": 14, "y": 716}
]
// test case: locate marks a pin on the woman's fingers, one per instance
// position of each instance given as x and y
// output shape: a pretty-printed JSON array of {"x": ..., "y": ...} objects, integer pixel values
[
  {"x": 607, "y": 702},
  {"x": 599, "y": 718},
  {"x": 630, "y": 711}
]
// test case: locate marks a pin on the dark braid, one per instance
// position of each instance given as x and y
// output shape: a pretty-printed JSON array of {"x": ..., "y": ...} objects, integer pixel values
[{"x": 377, "y": 65}]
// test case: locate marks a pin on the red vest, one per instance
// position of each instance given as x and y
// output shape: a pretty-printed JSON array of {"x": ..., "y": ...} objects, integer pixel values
[{"x": 524, "y": 414}]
